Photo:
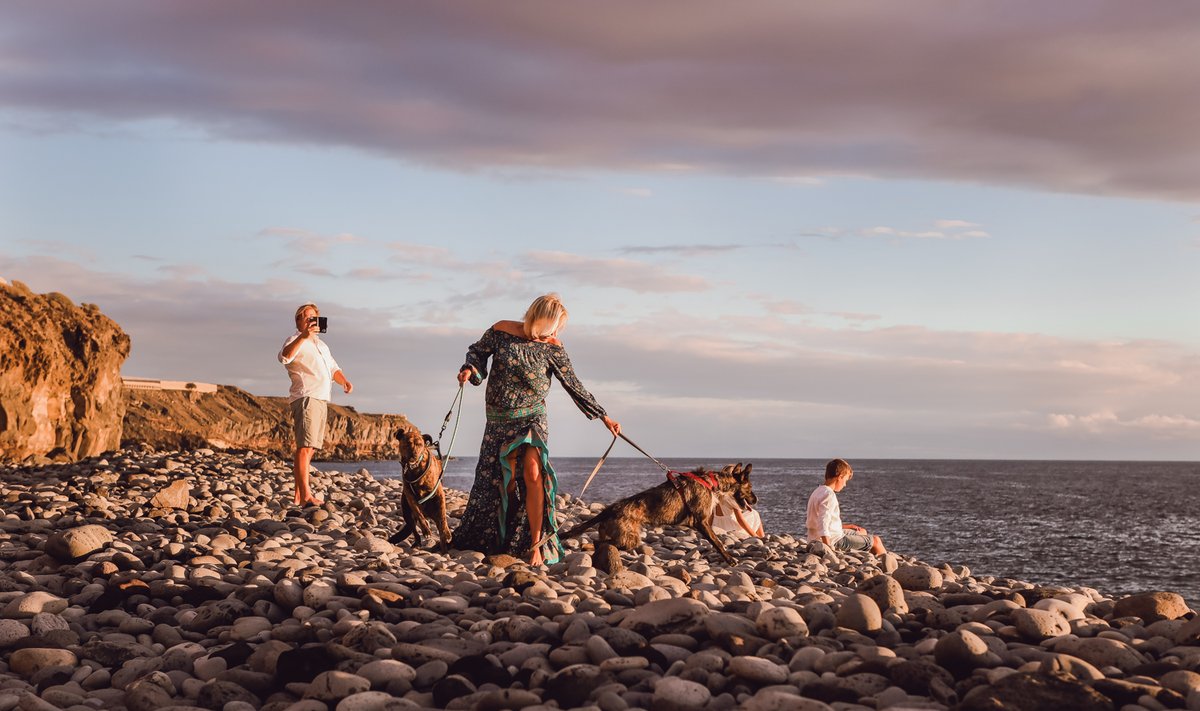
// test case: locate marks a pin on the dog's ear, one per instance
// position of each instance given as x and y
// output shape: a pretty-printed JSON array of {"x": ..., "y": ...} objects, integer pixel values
[
  {"x": 745, "y": 473},
  {"x": 399, "y": 434},
  {"x": 428, "y": 440}
]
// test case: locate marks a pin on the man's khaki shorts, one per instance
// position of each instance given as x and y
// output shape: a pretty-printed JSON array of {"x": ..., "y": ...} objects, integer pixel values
[{"x": 309, "y": 414}]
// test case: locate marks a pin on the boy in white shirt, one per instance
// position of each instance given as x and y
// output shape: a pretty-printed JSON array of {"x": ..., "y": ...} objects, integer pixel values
[{"x": 825, "y": 514}]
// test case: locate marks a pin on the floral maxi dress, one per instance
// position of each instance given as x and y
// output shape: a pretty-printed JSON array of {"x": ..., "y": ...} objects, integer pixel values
[{"x": 495, "y": 520}]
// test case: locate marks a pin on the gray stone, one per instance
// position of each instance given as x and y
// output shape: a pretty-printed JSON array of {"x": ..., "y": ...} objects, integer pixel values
[
  {"x": 26, "y": 662},
  {"x": 758, "y": 670},
  {"x": 173, "y": 496},
  {"x": 216, "y": 694},
  {"x": 33, "y": 603},
  {"x": 78, "y": 542},
  {"x": 1036, "y": 625},
  {"x": 918, "y": 577},
  {"x": 335, "y": 686},
  {"x": 772, "y": 699},
  {"x": 381, "y": 673},
  {"x": 1102, "y": 652},
  {"x": 860, "y": 613},
  {"x": 776, "y": 623},
  {"x": 676, "y": 694},
  {"x": 1035, "y": 692},
  {"x": 960, "y": 652},
  {"x": 369, "y": 701},
  {"x": 11, "y": 632},
  {"x": 664, "y": 615},
  {"x": 886, "y": 592},
  {"x": 1071, "y": 666},
  {"x": 1152, "y": 606}
]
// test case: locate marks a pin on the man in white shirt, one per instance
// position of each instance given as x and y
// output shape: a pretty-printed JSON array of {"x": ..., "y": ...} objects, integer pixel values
[
  {"x": 313, "y": 371},
  {"x": 825, "y": 514}
]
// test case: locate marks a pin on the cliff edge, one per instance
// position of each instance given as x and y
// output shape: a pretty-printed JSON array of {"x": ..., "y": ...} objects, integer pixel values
[
  {"x": 232, "y": 418},
  {"x": 60, "y": 382}
]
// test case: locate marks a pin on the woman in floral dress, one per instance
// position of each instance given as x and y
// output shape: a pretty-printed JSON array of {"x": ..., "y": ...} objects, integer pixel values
[{"x": 511, "y": 507}]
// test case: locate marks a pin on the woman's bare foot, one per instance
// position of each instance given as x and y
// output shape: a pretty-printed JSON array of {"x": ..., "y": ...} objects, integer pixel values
[{"x": 535, "y": 557}]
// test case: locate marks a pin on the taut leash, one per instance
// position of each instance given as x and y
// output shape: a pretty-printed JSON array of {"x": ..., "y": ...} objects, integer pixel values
[
  {"x": 604, "y": 457},
  {"x": 598, "y": 465},
  {"x": 458, "y": 400}
]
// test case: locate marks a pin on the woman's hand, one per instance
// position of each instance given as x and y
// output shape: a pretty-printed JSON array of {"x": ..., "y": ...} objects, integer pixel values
[
  {"x": 612, "y": 425},
  {"x": 464, "y": 375}
]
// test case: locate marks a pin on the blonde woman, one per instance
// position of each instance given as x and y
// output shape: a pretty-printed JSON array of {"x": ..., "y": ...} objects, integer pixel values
[{"x": 511, "y": 507}]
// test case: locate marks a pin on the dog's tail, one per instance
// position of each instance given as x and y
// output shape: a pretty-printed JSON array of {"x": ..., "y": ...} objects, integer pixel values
[{"x": 585, "y": 525}]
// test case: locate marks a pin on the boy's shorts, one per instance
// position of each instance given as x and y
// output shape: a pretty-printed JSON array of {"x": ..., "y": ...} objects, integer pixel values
[
  {"x": 309, "y": 414},
  {"x": 853, "y": 541}
]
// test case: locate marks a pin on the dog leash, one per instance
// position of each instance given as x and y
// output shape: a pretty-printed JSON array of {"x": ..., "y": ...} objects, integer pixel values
[
  {"x": 458, "y": 400},
  {"x": 600, "y": 463}
]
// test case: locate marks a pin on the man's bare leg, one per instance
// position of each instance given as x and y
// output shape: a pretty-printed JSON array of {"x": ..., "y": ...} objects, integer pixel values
[
  {"x": 304, "y": 495},
  {"x": 877, "y": 545}
]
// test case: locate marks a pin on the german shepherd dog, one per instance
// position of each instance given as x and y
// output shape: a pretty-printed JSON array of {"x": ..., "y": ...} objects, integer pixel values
[
  {"x": 421, "y": 478},
  {"x": 682, "y": 500}
]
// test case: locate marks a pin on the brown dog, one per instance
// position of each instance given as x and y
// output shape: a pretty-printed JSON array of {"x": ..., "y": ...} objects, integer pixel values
[
  {"x": 683, "y": 500},
  {"x": 421, "y": 475}
]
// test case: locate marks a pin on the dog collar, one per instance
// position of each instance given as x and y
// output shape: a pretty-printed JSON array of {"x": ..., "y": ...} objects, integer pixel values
[{"x": 708, "y": 481}]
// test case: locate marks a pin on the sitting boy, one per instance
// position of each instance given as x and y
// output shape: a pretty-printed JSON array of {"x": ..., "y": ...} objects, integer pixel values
[{"x": 825, "y": 515}]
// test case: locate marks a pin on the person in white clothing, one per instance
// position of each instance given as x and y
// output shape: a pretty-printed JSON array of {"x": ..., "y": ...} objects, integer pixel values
[
  {"x": 313, "y": 371},
  {"x": 728, "y": 516},
  {"x": 825, "y": 514}
]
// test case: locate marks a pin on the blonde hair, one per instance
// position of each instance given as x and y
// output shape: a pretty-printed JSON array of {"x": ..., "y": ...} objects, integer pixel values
[
  {"x": 545, "y": 316},
  {"x": 300, "y": 311}
]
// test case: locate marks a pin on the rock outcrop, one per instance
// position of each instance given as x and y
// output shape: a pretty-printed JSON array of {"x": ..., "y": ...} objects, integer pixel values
[
  {"x": 60, "y": 382},
  {"x": 232, "y": 418}
]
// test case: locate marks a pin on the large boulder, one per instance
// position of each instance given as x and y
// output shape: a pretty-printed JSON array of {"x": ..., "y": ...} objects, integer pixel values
[
  {"x": 60, "y": 377},
  {"x": 1152, "y": 606}
]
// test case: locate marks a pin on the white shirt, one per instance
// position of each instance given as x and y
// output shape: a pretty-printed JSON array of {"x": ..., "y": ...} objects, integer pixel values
[
  {"x": 311, "y": 369},
  {"x": 824, "y": 515}
]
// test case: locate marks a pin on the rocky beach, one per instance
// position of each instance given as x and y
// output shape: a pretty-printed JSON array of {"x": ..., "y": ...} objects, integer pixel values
[{"x": 150, "y": 580}]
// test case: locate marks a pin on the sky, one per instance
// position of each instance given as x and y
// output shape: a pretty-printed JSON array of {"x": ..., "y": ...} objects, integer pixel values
[{"x": 858, "y": 229}]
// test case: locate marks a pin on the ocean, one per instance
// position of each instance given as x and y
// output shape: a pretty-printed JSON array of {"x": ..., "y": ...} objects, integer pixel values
[{"x": 1119, "y": 527}]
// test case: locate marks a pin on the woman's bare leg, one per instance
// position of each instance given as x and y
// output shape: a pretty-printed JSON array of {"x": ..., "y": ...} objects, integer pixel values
[{"x": 535, "y": 499}]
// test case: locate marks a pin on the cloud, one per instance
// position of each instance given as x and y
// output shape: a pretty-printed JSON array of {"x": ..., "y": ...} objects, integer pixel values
[
  {"x": 686, "y": 383},
  {"x": 1007, "y": 94},
  {"x": 638, "y": 192},
  {"x": 619, "y": 273},
  {"x": 1105, "y": 421},
  {"x": 946, "y": 231},
  {"x": 308, "y": 242},
  {"x": 699, "y": 250}
]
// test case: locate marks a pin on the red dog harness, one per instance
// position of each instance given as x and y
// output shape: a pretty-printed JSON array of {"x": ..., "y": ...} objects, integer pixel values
[{"x": 708, "y": 480}]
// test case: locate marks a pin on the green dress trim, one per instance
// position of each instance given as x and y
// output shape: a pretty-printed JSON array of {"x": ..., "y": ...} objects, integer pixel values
[{"x": 552, "y": 549}]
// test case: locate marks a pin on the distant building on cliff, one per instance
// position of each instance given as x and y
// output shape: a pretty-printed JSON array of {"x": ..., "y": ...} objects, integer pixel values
[{"x": 155, "y": 384}]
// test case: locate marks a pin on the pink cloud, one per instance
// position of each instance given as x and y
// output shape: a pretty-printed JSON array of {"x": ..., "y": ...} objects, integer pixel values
[{"x": 1008, "y": 93}]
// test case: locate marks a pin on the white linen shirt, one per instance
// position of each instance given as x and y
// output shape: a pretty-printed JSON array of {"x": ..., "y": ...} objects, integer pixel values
[
  {"x": 824, "y": 515},
  {"x": 311, "y": 369}
]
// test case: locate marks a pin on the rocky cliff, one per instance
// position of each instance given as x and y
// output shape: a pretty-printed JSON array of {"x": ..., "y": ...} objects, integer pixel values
[
  {"x": 232, "y": 418},
  {"x": 60, "y": 382}
]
